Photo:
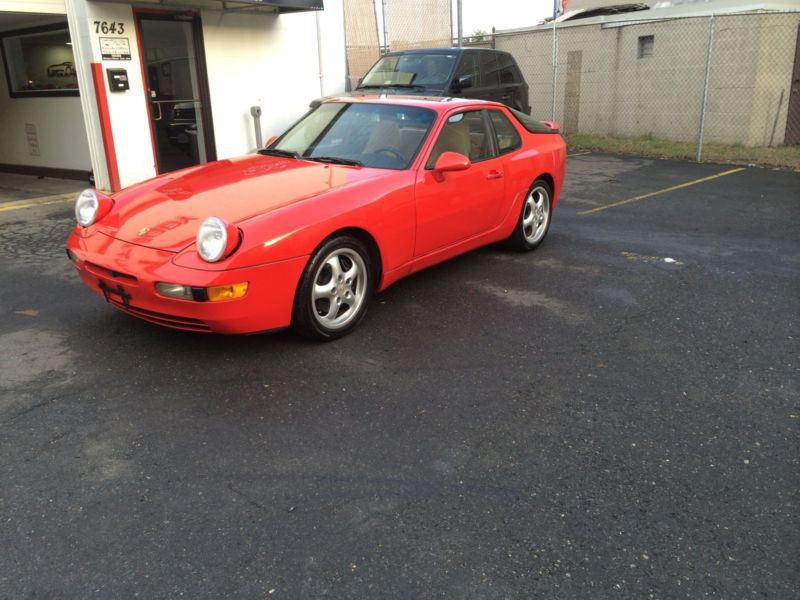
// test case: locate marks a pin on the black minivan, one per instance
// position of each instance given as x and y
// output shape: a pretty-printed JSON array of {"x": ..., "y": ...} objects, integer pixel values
[{"x": 460, "y": 72}]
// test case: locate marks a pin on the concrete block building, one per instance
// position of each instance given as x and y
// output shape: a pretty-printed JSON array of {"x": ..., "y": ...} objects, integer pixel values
[{"x": 733, "y": 65}]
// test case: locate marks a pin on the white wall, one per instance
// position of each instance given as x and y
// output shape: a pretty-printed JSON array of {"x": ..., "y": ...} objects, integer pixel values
[
  {"x": 33, "y": 6},
  {"x": 271, "y": 61},
  {"x": 130, "y": 122},
  {"x": 252, "y": 59},
  {"x": 59, "y": 123}
]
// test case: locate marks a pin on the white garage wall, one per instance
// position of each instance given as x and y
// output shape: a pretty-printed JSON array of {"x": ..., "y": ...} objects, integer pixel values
[
  {"x": 33, "y": 6},
  {"x": 271, "y": 61},
  {"x": 59, "y": 126}
]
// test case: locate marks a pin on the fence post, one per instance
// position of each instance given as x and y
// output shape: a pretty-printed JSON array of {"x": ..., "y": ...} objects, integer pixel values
[
  {"x": 385, "y": 31},
  {"x": 555, "y": 69},
  {"x": 709, "y": 48},
  {"x": 459, "y": 16}
]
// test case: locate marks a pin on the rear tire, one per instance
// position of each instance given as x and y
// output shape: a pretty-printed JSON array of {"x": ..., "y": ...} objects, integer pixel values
[
  {"x": 335, "y": 290},
  {"x": 534, "y": 218}
]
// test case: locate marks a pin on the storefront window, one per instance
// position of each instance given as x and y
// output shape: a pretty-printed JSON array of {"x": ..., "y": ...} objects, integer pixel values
[{"x": 39, "y": 62}]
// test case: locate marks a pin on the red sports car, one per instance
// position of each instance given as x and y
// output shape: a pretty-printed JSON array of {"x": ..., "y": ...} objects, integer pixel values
[{"x": 356, "y": 195}]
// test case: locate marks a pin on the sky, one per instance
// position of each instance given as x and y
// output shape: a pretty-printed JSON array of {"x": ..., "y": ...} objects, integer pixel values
[{"x": 503, "y": 14}]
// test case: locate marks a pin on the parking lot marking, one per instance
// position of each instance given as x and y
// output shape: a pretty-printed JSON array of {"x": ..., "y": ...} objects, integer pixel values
[
  {"x": 578, "y": 154},
  {"x": 659, "y": 192},
  {"x": 43, "y": 201}
]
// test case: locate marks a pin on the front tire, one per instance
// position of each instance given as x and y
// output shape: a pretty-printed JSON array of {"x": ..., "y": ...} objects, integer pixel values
[
  {"x": 534, "y": 218},
  {"x": 335, "y": 290}
]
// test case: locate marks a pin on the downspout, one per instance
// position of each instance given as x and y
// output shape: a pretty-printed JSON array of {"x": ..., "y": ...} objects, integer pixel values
[{"x": 319, "y": 56}]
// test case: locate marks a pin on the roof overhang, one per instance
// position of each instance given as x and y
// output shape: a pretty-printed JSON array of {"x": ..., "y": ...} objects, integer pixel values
[{"x": 261, "y": 6}]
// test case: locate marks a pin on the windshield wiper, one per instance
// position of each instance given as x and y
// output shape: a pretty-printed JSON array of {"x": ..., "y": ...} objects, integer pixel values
[
  {"x": 335, "y": 160},
  {"x": 276, "y": 152},
  {"x": 411, "y": 86}
]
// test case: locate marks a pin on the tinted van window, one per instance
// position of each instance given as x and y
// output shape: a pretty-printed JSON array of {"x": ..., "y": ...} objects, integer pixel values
[
  {"x": 470, "y": 66},
  {"x": 508, "y": 69},
  {"x": 489, "y": 69}
]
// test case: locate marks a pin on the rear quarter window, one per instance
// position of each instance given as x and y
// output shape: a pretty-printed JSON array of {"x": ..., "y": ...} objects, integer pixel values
[{"x": 508, "y": 138}]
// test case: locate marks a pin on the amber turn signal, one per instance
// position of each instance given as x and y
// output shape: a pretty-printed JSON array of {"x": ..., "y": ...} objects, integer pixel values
[{"x": 227, "y": 292}]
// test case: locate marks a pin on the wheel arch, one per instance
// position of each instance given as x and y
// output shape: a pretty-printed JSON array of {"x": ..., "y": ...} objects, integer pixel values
[
  {"x": 550, "y": 181},
  {"x": 368, "y": 240}
]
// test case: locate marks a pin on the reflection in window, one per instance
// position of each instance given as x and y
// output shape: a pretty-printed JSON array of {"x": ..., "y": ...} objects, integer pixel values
[
  {"x": 508, "y": 139},
  {"x": 463, "y": 133},
  {"x": 40, "y": 62}
]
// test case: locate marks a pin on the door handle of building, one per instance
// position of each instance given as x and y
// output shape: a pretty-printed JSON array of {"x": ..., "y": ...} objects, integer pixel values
[
  {"x": 494, "y": 175},
  {"x": 160, "y": 115}
]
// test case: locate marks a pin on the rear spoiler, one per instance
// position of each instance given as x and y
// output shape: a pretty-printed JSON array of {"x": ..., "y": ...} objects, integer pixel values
[{"x": 533, "y": 125}]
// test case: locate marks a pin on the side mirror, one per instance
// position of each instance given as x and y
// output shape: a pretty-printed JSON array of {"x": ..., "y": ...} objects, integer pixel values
[
  {"x": 450, "y": 161},
  {"x": 270, "y": 141},
  {"x": 464, "y": 82}
]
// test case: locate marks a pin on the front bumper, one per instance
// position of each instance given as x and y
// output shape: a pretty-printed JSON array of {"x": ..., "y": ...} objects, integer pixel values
[{"x": 126, "y": 274}]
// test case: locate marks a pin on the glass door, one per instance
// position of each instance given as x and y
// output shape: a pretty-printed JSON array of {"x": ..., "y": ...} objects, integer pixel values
[{"x": 177, "y": 91}]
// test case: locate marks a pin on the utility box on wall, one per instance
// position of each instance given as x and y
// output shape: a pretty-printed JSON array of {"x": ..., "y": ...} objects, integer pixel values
[{"x": 117, "y": 80}]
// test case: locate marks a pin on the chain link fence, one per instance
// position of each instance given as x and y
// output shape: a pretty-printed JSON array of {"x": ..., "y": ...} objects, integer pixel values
[
  {"x": 417, "y": 24},
  {"x": 362, "y": 43},
  {"x": 727, "y": 79},
  {"x": 372, "y": 28}
]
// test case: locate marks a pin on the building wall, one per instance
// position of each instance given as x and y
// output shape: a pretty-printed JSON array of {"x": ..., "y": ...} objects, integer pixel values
[
  {"x": 33, "y": 6},
  {"x": 271, "y": 61},
  {"x": 617, "y": 93},
  {"x": 59, "y": 123}
]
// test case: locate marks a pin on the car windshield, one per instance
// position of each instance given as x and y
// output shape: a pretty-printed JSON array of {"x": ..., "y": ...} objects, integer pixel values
[
  {"x": 411, "y": 70},
  {"x": 383, "y": 136}
]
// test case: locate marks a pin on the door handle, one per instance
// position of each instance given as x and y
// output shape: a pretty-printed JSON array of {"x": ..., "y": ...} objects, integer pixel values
[{"x": 494, "y": 175}]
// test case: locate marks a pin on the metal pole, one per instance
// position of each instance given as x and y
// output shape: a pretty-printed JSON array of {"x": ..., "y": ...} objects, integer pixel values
[
  {"x": 705, "y": 88},
  {"x": 460, "y": 17},
  {"x": 385, "y": 31},
  {"x": 255, "y": 112},
  {"x": 555, "y": 69},
  {"x": 319, "y": 57}
]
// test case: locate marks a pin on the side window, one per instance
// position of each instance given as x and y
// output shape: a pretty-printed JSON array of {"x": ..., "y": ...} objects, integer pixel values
[
  {"x": 469, "y": 66},
  {"x": 507, "y": 135},
  {"x": 466, "y": 134},
  {"x": 488, "y": 69},
  {"x": 508, "y": 69}
]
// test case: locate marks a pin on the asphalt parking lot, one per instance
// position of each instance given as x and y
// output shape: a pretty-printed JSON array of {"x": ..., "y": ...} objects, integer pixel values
[{"x": 613, "y": 415}]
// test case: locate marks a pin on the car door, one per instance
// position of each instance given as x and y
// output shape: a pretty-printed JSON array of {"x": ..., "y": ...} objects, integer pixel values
[{"x": 458, "y": 205}]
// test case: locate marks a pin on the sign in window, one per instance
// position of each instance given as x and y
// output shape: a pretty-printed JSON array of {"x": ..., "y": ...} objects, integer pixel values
[{"x": 39, "y": 62}]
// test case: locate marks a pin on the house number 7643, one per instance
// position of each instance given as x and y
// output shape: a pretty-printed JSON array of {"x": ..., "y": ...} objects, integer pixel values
[{"x": 112, "y": 27}]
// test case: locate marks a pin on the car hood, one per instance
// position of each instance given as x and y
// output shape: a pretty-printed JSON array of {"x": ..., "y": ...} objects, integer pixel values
[{"x": 166, "y": 212}]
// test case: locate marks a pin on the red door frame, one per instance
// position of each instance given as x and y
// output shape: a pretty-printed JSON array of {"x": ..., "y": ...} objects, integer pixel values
[{"x": 105, "y": 126}]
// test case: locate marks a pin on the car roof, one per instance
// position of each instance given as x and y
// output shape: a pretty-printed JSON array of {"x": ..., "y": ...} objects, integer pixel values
[
  {"x": 451, "y": 50},
  {"x": 437, "y": 103}
]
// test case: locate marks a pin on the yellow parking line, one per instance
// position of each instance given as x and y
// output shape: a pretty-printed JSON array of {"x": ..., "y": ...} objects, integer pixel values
[
  {"x": 44, "y": 200},
  {"x": 664, "y": 191}
]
